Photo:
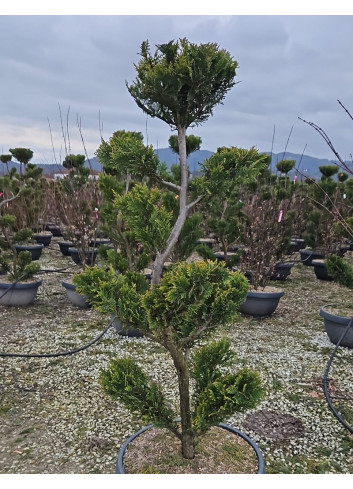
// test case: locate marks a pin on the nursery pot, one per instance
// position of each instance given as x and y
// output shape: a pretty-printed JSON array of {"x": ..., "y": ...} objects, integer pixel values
[
  {"x": 43, "y": 238},
  {"x": 99, "y": 241},
  {"x": 282, "y": 270},
  {"x": 124, "y": 331},
  {"x": 307, "y": 256},
  {"x": 220, "y": 255},
  {"x": 20, "y": 294},
  {"x": 320, "y": 270},
  {"x": 91, "y": 256},
  {"x": 261, "y": 302},
  {"x": 35, "y": 250},
  {"x": 296, "y": 244},
  {"x": 335, "y": 326},
  {"x": 74, "y": 297},
  {"x": 207, "y": 241},
  {"x": 254, "y": 446},
  {"x": 55, "y": 230},
  {"x": 64, "y": 247}
]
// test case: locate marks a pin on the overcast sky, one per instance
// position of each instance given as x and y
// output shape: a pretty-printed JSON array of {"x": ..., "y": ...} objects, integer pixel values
[{"x": 290, "y": 66}]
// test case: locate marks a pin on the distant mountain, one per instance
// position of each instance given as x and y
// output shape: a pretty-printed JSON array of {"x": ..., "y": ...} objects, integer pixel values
[
  {"x": 308, "y": 166},
  {"x": 167, "y": 156},
  {"x": 305, "y": 165}
]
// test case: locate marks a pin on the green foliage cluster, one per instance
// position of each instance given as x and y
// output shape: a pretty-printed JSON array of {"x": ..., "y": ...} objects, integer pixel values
[
  {"x": 285, "y": 166},
  {"x": 23, "y": 236},
  {"x": 327, "y": 171},
  {"x": 126, "y": 154},
  {"x": 182, "y": 82},
  {"x": 192, "y": 298},
  {"x": 22, "y": 155},
  {"x": 231, "y": 167},
  {"x": 340, "y": 270},
  {"x": 21, "y": 268},
  {"x": 126, "y": 381},
  {"x": 146, "y": 216},
  {"x": 77, "y": 177},
  {"x": 193, "y": 143},
  {"x": 216, "y": 396}
]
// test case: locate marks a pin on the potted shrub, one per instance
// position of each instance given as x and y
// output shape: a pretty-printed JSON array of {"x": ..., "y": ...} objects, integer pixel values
[
  {"x": 78, "y": 203},
  {"x": 177, "y": 307},
  {"x": 336, "y": 320},
  {"x": 267, "y": 232},
  {"x": 223, "y": 207},
  {"x": 320, "y": 232},
  {"x": 336, "y": 317},
  {"x": 18, "y": 286},
  {"x": 24, "y": 241}
]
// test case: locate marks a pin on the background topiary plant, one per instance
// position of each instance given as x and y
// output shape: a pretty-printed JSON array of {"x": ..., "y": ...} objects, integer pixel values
[
  {"x": 17, "y": 266},
  {"x": 340, "y": 270}
]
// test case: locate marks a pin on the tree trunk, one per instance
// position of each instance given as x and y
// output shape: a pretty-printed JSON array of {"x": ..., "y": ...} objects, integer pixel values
[
  {"x": 181, "y": 366},
  {"x": 162, "y": 256},
  {"x": 225, "y": 250}
]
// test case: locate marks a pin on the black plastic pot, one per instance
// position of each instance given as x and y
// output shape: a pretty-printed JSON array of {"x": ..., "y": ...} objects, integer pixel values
[
  {"x": 335, "y": 326},
  {"x": 64, "y": 247},
  {"x": 207, "y": 241},
  {"x": 220, "y": 255},
  {"x": 91, "y": 256},
  {"x": 260, "y": 303},
  {"x": 282, "y": 271},
  {"x": 320, "y": 270},
  {"x": 307, "y": 256},
  {"x": 35, "y": 250},
  {"x": 296, "y": 244},
  {"x": 260, "y": 459},
  {"x": 20, "y": 294},
  {"x": 124, "y": 331},
  {"x": 343, "y": 250},
  {"x": 74, "y": 297},
  {"x": 43, "y": 238},
  {"x": 55, "y": 230},
  {"x": 99, "y": 241}
]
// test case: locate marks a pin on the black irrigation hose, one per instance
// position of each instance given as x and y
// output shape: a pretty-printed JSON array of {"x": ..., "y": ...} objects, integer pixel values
[
  {"x": 49, "y": 355},
  {"x": 61, "y": 354},
  {"x": 325, "y": 380}
]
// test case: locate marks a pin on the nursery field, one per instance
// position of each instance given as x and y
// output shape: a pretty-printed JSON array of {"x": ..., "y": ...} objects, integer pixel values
[{"x": 55, "y": 418}]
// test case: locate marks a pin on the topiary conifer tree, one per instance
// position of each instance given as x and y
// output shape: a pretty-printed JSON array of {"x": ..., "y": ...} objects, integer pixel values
[{"x": 180, "y": 85}]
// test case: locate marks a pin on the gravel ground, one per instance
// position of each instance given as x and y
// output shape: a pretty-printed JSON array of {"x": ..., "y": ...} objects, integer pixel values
[{"x": 55, "y": 419}]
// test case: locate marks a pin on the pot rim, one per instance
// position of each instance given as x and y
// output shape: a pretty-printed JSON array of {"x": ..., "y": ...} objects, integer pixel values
[
  {"x": 21, "y": 285},
  {"x": 333, "y": 317},
  {"x": 29, "y": 246},
  {"x": 260, "y": 459},
  {"x": 259, "y": 294}
]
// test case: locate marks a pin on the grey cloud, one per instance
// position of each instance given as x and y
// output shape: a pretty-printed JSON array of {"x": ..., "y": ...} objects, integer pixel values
[{"x": 289, "y": 66}]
